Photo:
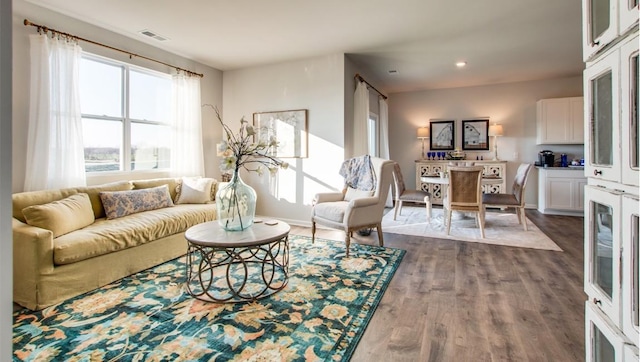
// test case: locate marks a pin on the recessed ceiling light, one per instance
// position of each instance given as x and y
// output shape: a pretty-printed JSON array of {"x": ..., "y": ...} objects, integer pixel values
[{"x": 461, "y": 64}]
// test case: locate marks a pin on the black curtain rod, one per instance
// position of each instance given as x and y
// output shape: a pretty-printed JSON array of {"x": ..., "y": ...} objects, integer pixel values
[
  {"x": 358, "y": 76},
  {"x": 54, "y": 31}
]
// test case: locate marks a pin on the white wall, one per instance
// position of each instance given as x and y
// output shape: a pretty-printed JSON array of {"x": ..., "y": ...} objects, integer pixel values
[
  {"x": 211, "y": 84},
  {"x": 513, "y": 105},
  {"x": 316, "y": 84},
  {"x": 6, "y": 256}
]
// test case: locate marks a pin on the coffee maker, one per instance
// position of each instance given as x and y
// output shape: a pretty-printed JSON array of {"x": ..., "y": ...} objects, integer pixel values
[{"x": 546, "y": 158}]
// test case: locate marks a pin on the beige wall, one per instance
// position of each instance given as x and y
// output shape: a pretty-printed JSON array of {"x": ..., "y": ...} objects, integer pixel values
[
  {"x": 211, "y": 84},
  {"x": 513, "y": 105},
  {"x": 315, "y": 84}
]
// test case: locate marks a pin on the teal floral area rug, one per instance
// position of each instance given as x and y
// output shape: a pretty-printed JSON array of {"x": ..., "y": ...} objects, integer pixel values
[{"x": 319, "y": 316}]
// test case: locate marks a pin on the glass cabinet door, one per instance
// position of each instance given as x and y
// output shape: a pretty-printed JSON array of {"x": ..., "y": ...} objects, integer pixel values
[
  {"x": 602, "y": 250},
  {"x": 604, "y": 343},
  {"x": 630, "y": 257},
  {"x": 602, "y": 150},
  {"x": 628, "y": 10},
  {"x": 599, "y": 19},
  {"x": 630, "y": 132}
]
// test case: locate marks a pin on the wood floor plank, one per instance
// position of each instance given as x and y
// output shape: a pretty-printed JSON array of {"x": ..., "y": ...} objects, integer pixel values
[{"x": 460, "y": 301}]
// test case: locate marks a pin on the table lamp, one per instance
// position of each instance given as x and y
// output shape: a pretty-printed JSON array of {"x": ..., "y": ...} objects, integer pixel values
[
  {"x": 496, "y": 131},
  {"x": 423, "y": 133}
]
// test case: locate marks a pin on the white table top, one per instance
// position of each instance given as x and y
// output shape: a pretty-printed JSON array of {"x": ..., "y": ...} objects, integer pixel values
[
  {"x": 445, "y": 180},
  {"x": 211, "y": 234}
]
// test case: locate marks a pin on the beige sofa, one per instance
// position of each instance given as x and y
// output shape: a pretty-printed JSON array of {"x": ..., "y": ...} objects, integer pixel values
[{"x": 49, "y": 268}]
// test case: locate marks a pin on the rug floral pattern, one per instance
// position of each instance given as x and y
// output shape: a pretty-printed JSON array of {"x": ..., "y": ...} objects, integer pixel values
[{"x": 320, "y": 315}]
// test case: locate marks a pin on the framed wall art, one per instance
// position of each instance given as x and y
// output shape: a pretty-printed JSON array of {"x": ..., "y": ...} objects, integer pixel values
[
  {"x": 288, "y": 127},
  {"x": 475, "y": 134},
  {"x": 443, "y": 135}
]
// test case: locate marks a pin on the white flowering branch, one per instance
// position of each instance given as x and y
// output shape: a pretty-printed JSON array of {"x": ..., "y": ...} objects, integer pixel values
[{"x": 240, "y": 150}]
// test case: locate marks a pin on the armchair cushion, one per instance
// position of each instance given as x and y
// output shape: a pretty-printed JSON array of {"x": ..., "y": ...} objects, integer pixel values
[
  {"x": 333, "y": 211},
  {"x": 352, "y": 194}
]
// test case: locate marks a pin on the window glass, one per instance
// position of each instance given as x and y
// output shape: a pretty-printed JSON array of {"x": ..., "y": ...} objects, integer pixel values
[
  {"x": 372, "y": 134},
  {"x": 101, "y": 88},
  {"x": 102, "y": 144},
  {"x": 603, "y": 349},
  {"x": 602, "y": 248},
  {"x": 149, "y": 96},
  {"x": 149, "y": 146},
  {"x": 635, "y": 130},
  {"x": 602, "y": 113},
  {"x": 599, "y": 17}
]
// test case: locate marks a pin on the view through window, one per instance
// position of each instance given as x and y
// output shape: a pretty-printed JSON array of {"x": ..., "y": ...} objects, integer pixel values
[{"x": 125, "y": 116}]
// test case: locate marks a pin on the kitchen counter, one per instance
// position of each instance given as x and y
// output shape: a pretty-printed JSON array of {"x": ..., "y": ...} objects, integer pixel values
[{"x": 561, "y": 190}]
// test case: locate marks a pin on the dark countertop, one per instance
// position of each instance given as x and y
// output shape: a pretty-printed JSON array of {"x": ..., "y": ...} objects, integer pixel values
[{"x": 572, "y": 168}]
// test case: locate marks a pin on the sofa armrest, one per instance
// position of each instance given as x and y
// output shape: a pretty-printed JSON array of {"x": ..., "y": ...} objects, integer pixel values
[{"x": 32, "y": 251}]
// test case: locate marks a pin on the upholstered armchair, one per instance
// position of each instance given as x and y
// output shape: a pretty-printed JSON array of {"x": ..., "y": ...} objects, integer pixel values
[{"x": 352, "y": 210}]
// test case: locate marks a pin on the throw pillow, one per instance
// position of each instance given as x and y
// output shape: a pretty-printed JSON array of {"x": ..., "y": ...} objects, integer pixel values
[
  {"x": 62, "y": 216},
  {"x": 122, "y": 203},
  {"x": 356, "y": 194},
  {"x": 195, "y": 190}
]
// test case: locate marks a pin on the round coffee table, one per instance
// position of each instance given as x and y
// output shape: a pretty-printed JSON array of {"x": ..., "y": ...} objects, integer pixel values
[{"x": 237, "y": 266}]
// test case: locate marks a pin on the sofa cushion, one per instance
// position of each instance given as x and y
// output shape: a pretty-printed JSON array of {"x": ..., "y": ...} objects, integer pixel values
[
  {"x": 110, "y": 235},
  {"x": 195, "y": 190},
  {"x": 172, "y": 183},
  {"x": 62, "y": 216},
  {"x": 122, "y": 203},
  {"x": 94, "y": 194}
]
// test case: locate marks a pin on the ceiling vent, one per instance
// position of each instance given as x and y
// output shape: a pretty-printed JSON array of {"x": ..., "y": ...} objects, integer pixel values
[
  {"x": 151, "y": 34},
  {"x": 393, "y": 72}
]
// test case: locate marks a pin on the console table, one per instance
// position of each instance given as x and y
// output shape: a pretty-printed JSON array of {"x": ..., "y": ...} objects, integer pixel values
[{"x": 495, "y": 171}]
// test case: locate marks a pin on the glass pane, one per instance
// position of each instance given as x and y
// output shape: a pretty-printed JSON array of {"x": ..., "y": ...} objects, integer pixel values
[
  {"x": 149, "y": 97},
  {"x": 101, "y": 88},
  {"x": 635, "y": 130},
  {"x": 602, "y": 127},
  {"x": 602, "y": 247},
  {"x": 602, "y": 349},
  {"x": 635, "y": 256},
  {"x": 372, "y": 130},
  {"x": 102, "y": 145},
  {"x": 599, "y": 17},
  {"x": 149, "y": 146}
]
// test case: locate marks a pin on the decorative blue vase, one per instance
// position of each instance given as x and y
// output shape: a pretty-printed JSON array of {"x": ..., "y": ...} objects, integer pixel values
[{"x": 236, "y": 204}]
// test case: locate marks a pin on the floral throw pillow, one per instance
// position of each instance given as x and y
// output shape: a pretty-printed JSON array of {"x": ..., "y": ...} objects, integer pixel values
[{"x": 122, "y": 203}]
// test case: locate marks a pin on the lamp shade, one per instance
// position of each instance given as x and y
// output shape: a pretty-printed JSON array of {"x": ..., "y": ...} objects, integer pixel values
[
  {"x": 423, "y": 132},
  {"x": 495, "y": 130}
]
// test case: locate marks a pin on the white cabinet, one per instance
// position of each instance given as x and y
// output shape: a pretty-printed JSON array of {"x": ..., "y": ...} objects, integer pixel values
[
  {"x": 603, "y": 21},
  {"x": 496, "y": 171},
  {"x": 561, "y": 191},
  {"x": 629, "y": 108},
  {"x": 604, "y": 342},
  {"x": 560, "y": 121},
  {"x": 630, "y": 257},
  {"x": 602, "y": 250}
]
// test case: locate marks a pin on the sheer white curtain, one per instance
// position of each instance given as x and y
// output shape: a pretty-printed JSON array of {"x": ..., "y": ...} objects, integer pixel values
[
  {"x": 55, "y": 151},
  {"x": 360, "y": 120},
  {"x": 383, "y": 118},
  {"x": 187, "y": 156}
]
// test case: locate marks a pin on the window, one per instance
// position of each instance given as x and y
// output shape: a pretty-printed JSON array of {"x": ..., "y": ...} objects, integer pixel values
[
  {"x": 125, "y": 116},
  {"x": 372, "y": 134}
]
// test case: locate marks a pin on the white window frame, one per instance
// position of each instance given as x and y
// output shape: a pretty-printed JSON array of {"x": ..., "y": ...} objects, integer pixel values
[
  {"x": 125, "y": 152},
  {"x": 373, "y": 140}
]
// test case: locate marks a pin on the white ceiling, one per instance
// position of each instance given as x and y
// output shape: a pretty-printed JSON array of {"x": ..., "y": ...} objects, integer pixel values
[{"x": 502, "y": 40}]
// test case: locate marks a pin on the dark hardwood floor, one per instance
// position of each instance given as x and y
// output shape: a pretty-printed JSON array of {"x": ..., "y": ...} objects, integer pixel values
[{"x": 461, "y": 301}]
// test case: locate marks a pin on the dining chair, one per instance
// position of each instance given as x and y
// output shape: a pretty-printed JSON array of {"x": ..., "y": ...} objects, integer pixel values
[
  {"x": 514, "y": 199},
  {"x": 464, "y": 194},
  {"x": 402, "y": 194}
]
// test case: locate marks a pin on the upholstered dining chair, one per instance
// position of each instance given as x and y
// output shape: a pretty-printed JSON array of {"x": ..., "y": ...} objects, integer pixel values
[
  {"x": 464, "y": 193},
  {"x": 402, "y": 194},
  {"x": 514, "y": 199},
  {"x": 351, "y": 210}
]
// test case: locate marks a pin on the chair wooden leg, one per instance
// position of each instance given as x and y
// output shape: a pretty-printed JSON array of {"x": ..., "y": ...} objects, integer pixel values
[
  {"x": 347, "y": 241},
  {"x": 379, "y": 230},
  {"x": 448, "y": 221},
  {"x": 313, "y": 231},
  {"x": 398, "y": 209},
  {"x": 481, "y": 222},
  {"x": 523, "y": 217},
  {"x": 427, "y": 203}
]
